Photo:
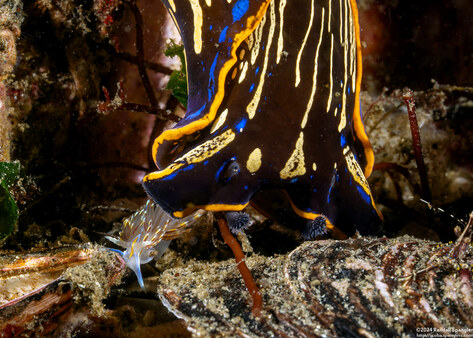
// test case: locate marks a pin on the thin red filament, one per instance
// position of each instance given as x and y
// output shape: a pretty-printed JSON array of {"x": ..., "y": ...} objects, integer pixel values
[{"x": 244, "y": 271}]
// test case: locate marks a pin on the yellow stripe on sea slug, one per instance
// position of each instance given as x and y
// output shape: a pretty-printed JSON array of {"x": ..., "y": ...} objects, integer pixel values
[
  {"x": 196, "y": 155},
  {"x": 358, "y": 123},
  {"x": 175, "y": 134},
  {"x": 309, "y": 215},
  {"x": 210, "y": 207},
  {"x": 173, "y": 6},
  {"x": 336, "y": 232}
]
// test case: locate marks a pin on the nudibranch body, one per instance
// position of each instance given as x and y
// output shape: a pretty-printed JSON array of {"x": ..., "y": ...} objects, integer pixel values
[
  {"x": 273, "y": 106},
  {"x": 146, "y": 235}
]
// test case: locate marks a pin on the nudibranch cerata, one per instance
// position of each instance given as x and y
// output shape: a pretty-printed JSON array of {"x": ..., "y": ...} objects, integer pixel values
[
  {"x": 146, "y": 234},
  {"x": 274, "y": 90}
]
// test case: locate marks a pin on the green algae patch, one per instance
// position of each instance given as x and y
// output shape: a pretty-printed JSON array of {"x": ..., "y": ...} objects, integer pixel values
[
  {"x": 177, "y": 80},
  {"x": 9, "y": 173}
]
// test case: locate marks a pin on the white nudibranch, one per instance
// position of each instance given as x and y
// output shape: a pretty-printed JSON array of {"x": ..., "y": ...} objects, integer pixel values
[{"x": 146, "y": 235}]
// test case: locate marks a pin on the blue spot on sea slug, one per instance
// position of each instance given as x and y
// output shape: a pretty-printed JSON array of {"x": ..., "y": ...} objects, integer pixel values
[
  {"x": 240, "y": 8},
  {"x": 223, "y": 35}
]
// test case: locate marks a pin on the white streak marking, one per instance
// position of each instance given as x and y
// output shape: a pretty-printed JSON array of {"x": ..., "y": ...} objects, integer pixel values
[
  {"x": 355, "y": 170},
  {"x": 316, "y": 66},
  {"x": 251, "y": 108},
  {"x": 352, "y": 49},
  {"x": 197, "y": 10},
  {"x": 220, "y": 121},
  {"x": 295, "y": 165},
  {"x": 243, "y": 72},
  {"x": 343, "y": 118},
  {"x": 282, "y": 5},
  {"x": 341, "y": 21},
  {"x": 329, "y": 101},
  {"x": 254, "y": 161},
  {"x": 299, "y": 55},
  {"x": 250, "y": 41},
  {"x": 257, "y": 36},
  {"x": 329, "y": 15}
]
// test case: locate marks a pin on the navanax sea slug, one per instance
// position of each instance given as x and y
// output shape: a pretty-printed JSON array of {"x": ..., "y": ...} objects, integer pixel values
[{"x": 273, "y": 115}]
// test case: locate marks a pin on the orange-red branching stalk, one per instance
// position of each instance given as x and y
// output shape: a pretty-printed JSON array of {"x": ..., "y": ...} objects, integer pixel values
[{"x": 244, "y": 271}]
